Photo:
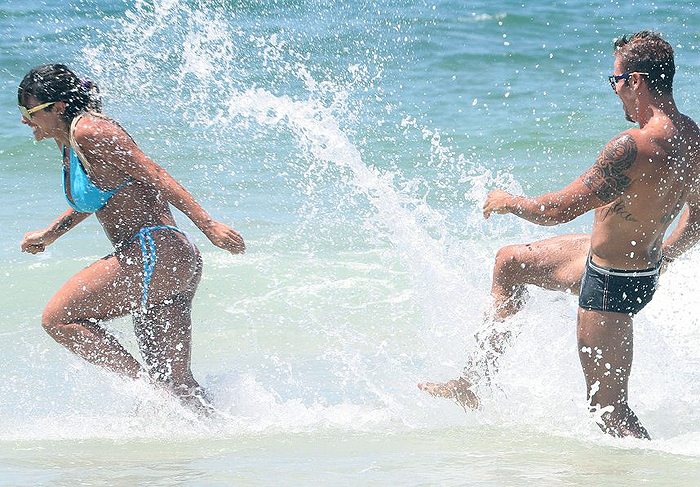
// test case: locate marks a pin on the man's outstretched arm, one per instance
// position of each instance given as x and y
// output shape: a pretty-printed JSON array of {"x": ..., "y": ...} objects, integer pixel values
[{"x": 604, "y": 182}]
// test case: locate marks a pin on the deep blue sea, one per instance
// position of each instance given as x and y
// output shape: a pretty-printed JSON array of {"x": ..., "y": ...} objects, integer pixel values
[{"x": 352, "y": 144}]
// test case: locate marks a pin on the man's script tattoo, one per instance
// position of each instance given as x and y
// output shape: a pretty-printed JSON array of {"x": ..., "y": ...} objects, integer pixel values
[
  {"x": 618, "y": 209},
  {"x": 606, "y": 178}
]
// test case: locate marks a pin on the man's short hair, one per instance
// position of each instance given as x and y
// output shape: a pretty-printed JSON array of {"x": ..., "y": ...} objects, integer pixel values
[{"x": 646, "y": 52}]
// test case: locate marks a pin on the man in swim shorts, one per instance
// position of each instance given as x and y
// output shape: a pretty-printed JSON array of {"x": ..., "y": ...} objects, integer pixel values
[{"x": 638, "y": 185}]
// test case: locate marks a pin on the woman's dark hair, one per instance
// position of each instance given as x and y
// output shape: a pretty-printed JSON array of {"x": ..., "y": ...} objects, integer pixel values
[{"x": 55, "y": 82}]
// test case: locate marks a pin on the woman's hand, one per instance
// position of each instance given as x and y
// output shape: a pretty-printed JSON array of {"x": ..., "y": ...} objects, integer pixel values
[
  {"x": 35, "y": 242},
  {"x": 225, "y": 237}
]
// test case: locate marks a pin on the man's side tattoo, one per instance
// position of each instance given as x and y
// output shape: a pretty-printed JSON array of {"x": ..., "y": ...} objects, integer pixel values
[
  {"x": 618, "y": 209},
  {"x": 606, "y": 178}
]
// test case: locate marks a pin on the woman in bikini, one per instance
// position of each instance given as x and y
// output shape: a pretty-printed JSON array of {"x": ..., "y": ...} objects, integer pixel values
[{"x": 155, "y": 269}]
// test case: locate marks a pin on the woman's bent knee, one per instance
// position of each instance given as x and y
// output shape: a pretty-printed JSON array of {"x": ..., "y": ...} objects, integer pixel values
[
  {"x": 57, "y": 316},
  {"x": 52, "y": 318}
]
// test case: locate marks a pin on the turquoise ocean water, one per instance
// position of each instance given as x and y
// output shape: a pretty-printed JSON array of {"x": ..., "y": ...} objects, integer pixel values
[{"x": 352, "y": 144}]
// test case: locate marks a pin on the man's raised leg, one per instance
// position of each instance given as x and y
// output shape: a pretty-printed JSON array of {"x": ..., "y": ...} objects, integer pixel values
[{"x": 555, "y": 263}]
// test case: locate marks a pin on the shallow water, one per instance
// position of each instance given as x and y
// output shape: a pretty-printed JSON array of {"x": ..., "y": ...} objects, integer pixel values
[
  {"x": 448, "y": 456},
  {"x": 352, "y": 144}
]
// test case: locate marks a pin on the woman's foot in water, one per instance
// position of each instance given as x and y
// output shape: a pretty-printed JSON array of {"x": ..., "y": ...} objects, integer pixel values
[
  {"x": 192, "y": 396},
  {"x": 458, "y": 390},
  {"x": 196, "y": 399}
]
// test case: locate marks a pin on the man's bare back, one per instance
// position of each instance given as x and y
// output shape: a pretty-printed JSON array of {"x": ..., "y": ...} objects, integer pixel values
[{"x": 655, "y": 169}]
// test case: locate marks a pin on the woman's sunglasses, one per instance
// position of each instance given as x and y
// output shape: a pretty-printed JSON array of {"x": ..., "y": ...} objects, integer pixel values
[{"x": 27, "y": 112}]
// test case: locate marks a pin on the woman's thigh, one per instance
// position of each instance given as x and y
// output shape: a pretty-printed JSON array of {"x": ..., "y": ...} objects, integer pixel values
[
  {"x": 114, "y": 285},
  {"x": 104, "y": 290}
]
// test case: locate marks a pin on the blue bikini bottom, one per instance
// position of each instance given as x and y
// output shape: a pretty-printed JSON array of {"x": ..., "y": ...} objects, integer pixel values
[{"x": 148, "y": 252}]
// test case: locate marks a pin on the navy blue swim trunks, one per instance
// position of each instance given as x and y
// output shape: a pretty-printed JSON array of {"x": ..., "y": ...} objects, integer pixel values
[{"x": 617, "y": 291}]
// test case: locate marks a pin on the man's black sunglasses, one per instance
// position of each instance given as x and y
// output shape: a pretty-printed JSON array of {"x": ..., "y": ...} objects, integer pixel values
[{"x": 614, "y": 79}]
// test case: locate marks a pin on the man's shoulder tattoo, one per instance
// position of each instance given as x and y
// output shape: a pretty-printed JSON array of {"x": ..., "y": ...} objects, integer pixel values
[{"x": 606, "y": 177}]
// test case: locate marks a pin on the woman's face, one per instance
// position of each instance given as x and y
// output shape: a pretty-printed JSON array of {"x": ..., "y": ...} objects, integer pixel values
[{"x": 45, "y": 123}]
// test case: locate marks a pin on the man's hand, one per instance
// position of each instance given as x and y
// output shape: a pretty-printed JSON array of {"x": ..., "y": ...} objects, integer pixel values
[
  {"x": 225, "y": 237},
  {"x": 499, "y": 202}
]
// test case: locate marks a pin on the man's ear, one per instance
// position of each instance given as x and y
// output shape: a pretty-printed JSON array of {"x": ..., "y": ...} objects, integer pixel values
[{"x": 637, "y": 79}]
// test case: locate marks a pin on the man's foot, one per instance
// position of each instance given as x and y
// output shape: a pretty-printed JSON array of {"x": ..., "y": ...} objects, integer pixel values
[{"x": 458, "y": 390}]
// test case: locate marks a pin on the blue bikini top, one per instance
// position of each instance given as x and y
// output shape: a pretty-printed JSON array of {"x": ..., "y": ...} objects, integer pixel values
[{"x": 87, "y": 196}]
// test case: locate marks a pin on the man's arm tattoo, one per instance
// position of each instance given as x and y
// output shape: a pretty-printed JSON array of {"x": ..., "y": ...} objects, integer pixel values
[{"x": 606, "y": 178}]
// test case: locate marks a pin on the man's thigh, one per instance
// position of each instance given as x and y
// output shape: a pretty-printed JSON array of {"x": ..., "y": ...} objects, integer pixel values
[{"x": 556, "y": 263}]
